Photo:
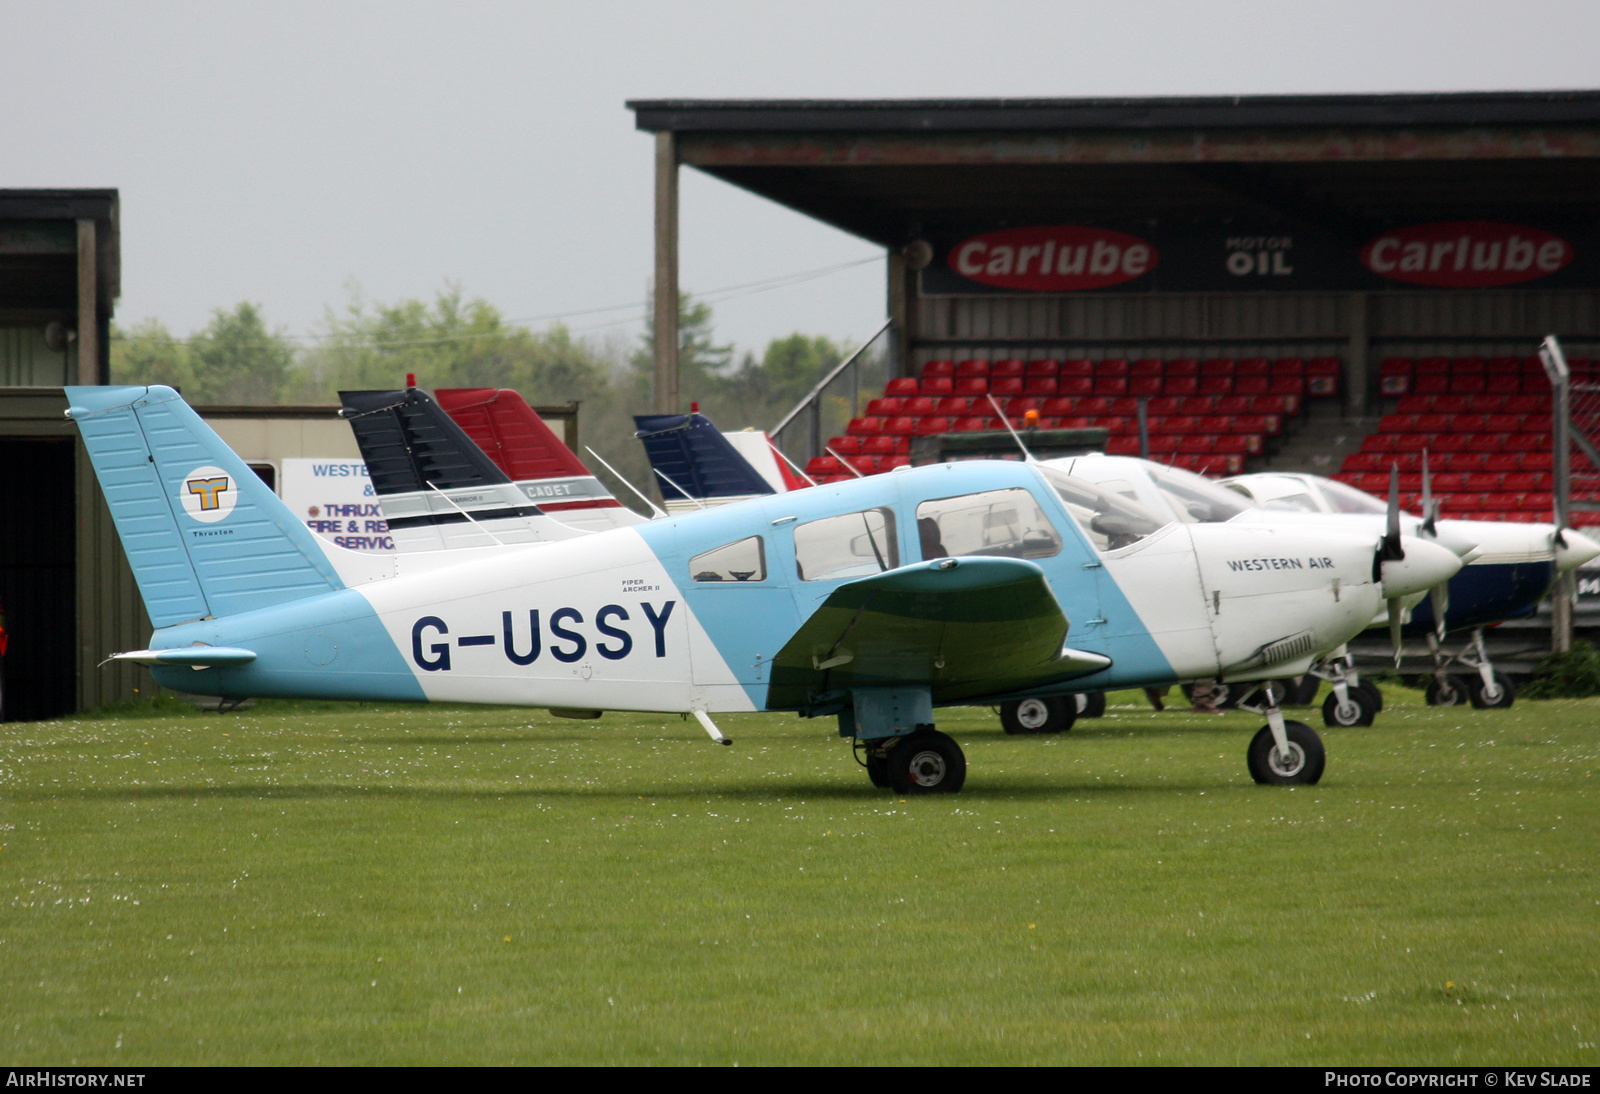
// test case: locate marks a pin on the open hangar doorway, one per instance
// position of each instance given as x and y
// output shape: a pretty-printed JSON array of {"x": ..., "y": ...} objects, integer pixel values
[{"x": 38, "y": 581}]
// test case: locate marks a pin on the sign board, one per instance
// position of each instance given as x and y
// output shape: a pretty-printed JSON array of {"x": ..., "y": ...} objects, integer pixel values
[
  {"x": 1230, "y": 256},
  {"x": 336, "y": 500}
]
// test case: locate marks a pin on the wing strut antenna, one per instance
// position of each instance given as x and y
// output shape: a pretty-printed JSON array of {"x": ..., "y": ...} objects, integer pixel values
[
  {"x": 852, "y": 467},
  {"x": 620, "y": 478},
  {"x": 1007, "y": 423},
  {"x": 480, "y": 525},
  {"x": 782, "y": 456},
  {"x": 698, "y": 503}
]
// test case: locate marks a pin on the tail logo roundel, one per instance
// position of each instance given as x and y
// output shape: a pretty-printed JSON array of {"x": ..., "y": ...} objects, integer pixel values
[{"x": 208, "y": 494}]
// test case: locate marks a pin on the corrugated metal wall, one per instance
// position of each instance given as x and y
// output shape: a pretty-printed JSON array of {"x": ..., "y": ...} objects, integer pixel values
[
  {"x": 1248, "y": 324},
  {"x": 26, "y": 361},
  {"x": 111, "y": 615}
]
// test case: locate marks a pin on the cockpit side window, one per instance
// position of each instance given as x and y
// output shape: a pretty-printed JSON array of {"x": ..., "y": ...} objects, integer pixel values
[
  {"x": 743, "y": 560},
  {"x": 1300, "y": 502},
  {"x": 1006, "y": 523},
  {"x": 1109, "y": 520},
  {"x": 1347, "y": 499},
  {"x": 852, "y": 545}
]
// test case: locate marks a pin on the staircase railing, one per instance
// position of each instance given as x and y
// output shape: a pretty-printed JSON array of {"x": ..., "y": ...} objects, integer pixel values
[{"x": 836, "y": 398}]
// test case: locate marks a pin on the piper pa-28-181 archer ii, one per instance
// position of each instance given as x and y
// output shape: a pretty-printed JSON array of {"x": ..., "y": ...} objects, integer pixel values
[{"x": 874, "y": 601}]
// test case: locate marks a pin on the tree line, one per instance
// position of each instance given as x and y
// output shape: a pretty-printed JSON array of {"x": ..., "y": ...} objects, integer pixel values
[{"x": 453, "y": 341}]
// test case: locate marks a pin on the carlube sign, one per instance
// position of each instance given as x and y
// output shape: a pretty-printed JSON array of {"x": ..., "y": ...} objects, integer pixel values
[
  {"x": 1466, "y": 254},
  {"x": 1065, "y": 258}
]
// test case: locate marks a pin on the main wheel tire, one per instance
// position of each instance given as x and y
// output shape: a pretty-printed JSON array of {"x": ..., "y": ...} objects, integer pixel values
[
  {"x": 1302, "y": 692},
  {"x": 1371, "y": 690},
  {"x": 1093, "y": 704},
  {"x": 1357, "y": 712},
  {"x": 1448, "y": 692},
  {"x": 1507, "y": 693},
  {"x": 1053, "y": 715},
  {"x": 1302, "y": 766},
  {"x": 878, "y": 771},
  {"x": 927, "y": 762}
]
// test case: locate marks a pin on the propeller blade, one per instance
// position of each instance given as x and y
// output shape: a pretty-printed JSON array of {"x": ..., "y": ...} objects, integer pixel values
[
  {"x": 1439, "y": 599},
  {"x": 1396, "y": 621},
  {"x": 1391, "y": 548},
  {"x": 1429, "y": 507}
]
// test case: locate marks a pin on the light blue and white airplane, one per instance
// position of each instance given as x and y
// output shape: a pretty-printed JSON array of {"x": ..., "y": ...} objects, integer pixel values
[{"x": 873, "y": 601}]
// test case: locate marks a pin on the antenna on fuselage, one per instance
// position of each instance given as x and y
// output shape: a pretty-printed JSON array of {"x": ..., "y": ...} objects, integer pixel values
[
  {"x": 782, "y": 456},
  {"x": 660, "y": 512},
  {"x": 850, "y": 467},
  {"x": 698, "y": 503},
  {"x": 451, "y": 502},
  {"x": 1029, "y": 456}
]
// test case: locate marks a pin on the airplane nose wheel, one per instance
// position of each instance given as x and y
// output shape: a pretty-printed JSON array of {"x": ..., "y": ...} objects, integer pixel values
[
  {"x": 1054, "y": 715},
  {"x": 926, "y": 762},
  {"x": 1301, "y": 763}
]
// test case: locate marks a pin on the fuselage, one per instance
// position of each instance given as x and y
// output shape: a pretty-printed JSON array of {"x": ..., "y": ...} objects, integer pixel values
[{"x": 687, "y": 612}]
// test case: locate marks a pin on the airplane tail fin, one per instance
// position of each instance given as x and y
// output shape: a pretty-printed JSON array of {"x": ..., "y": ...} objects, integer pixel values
[
  {"x": 694, "y": 464},
  {"x": 501, "y": 422},
  {"x": 204, "y": 535},
  {"x": 438, "y": 489}
]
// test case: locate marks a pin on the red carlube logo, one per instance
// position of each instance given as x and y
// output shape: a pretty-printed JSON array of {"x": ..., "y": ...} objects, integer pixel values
[
  {"x": 1466, "y": 254},
  {"x": 1060, "y": 259}
]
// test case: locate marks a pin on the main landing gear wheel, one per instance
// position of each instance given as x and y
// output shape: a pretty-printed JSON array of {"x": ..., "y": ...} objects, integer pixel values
[
  {"x": 1359, "y": 711},
  {"x": 1302, "y": 765},
  {"x": 1301, "y": 694},
  {"x": 926, "y": 762},
  {"x": 1091, "y": 704},
  {"x": 878, "y": 770},
  {"x": 1053, "y": 715},
  {"x": 1505, "y": 695},
  {"x": 1450, "y": 691},
  {"x": 1372, "y": 692}
]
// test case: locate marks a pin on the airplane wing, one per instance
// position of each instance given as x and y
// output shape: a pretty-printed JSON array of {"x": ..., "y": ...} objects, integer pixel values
[{"x": 964, "y": 627}]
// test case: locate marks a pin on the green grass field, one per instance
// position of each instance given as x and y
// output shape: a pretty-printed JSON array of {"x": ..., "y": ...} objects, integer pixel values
[{"x": 364, "y": 885}]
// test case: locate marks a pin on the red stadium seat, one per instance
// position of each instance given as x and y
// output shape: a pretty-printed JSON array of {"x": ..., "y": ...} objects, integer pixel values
[
  {"x": 971, "y": 424},
  {"x": 880, "y": 445},
  {"x": 1394, "y": 376},
  {"x": 972, "y": 367},
  {"x": 1077, "y": 366},
  {"x": 1040, "y": 385},
  {"x": 1048, "y": 367},
  {"x": 939, "y": 368},
  {"x": 922, "y": 404},
  {"x": 1180, "y": 385},
  {"x": 1439, "y": 366},
  {"x": 1216, "y": 384},
  {"x": 1538, "y": 461},
  {"x": 1289, "y": 385},
  {"x": 1011, "y": 366},
  {"x": 1111, "y": 385},
  {"x": 937, "y": 385},
  {"x": 1322, "y": 376},
  {"x": 902, "y": 385},
  {"x": 1126, "y": 405},
  {"x": 1197, "y": 404},
  {"x": 1467, "y": 364},
  {"x": 846, "y": 445},
  {"x": 932, "y": 424},
  {"x": 1146, "y": 366},
  {"x": 824, "y": 465},
  {"x": 1363, "y": 461},
  {"x": 1075, "y": 385},
  {"x": 1217, "y": 366},
  {"x": 865, "y": 425},
  {"x": 1113, "y": 366},
  {"x": 892, "y": 462},
  {"x": 953, "y": 406},
  {"x": 1289, "y": 366},
  {"x": 1005, "y": 385},
  {"x": 1164, "y": 404},
  {"x": 1257, "y": 385},
  {"x": 1253, "y": 366},
  {"x": 1145, "y": 385},
  {"x": 1503, "y": 383},
  {"x": 972, "y": 385},
  {"x": 1468, "y": 383},
  {"x": 1122, "y": 446},
  {"x": 901, "y": 425},
  {"x": 884, "y": 407},
  {"x": 1093, "y": 405},
  {"x": 1432, "y": 383}
]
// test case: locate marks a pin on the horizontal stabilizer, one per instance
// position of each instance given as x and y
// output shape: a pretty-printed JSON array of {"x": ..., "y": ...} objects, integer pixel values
[
  {"x": 200, "y": 657},
  {"x": 964, "y": 627}
]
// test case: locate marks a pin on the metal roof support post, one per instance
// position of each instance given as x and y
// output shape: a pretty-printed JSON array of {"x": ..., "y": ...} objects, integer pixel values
[
  {"x": 1561, "y": 602},
  {"x": 900, "y": 315},
  {"x": 666, "y": 280},
  {"x": 88, "y": 307},
  {"x": 1357, "y": 376}
]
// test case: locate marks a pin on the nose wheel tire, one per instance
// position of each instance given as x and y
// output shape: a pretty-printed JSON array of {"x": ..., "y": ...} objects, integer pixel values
[
  {"x": 1091, "y": 704},
  {"x": 1052, "y": 715},
  {"x": 1302, "y": 693},
  {"x": 878, "y": 771},
  {"x": 1506, "y": 692},
  {"x": 1359, "y": 711},
  {"x": 1301, "y": 766},
  {"x": 1372, "y": 692},
  {"x": 1451, "y": 691},
  {"x": 926, "y": 762}
]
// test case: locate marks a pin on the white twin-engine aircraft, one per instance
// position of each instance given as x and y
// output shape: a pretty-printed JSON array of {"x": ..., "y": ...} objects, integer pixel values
[{"x": 874, "y": 601}]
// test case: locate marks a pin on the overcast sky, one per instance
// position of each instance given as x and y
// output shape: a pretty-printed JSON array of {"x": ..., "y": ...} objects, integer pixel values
[{"x": 281, "y": 152}]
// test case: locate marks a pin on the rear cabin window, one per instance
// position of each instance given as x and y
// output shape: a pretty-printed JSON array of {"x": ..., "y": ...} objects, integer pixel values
[
  {"x": 744, "y": 560},
  {"x": 853, "y": 545},
  {"x": 1007, "y": 523},
  {"x": 1109, "y": 520}
]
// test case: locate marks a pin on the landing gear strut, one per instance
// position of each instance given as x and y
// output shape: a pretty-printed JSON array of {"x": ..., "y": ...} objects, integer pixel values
[
  {"x": 1283, "y": 753},
  {"x": 1353, "y": 701},
  {"x": 1486, "y": 689}
]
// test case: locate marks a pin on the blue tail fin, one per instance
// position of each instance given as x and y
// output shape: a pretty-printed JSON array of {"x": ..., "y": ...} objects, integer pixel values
[
  {"x": 695, "y": 460},
  {"x": 204, "y": 535}
]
